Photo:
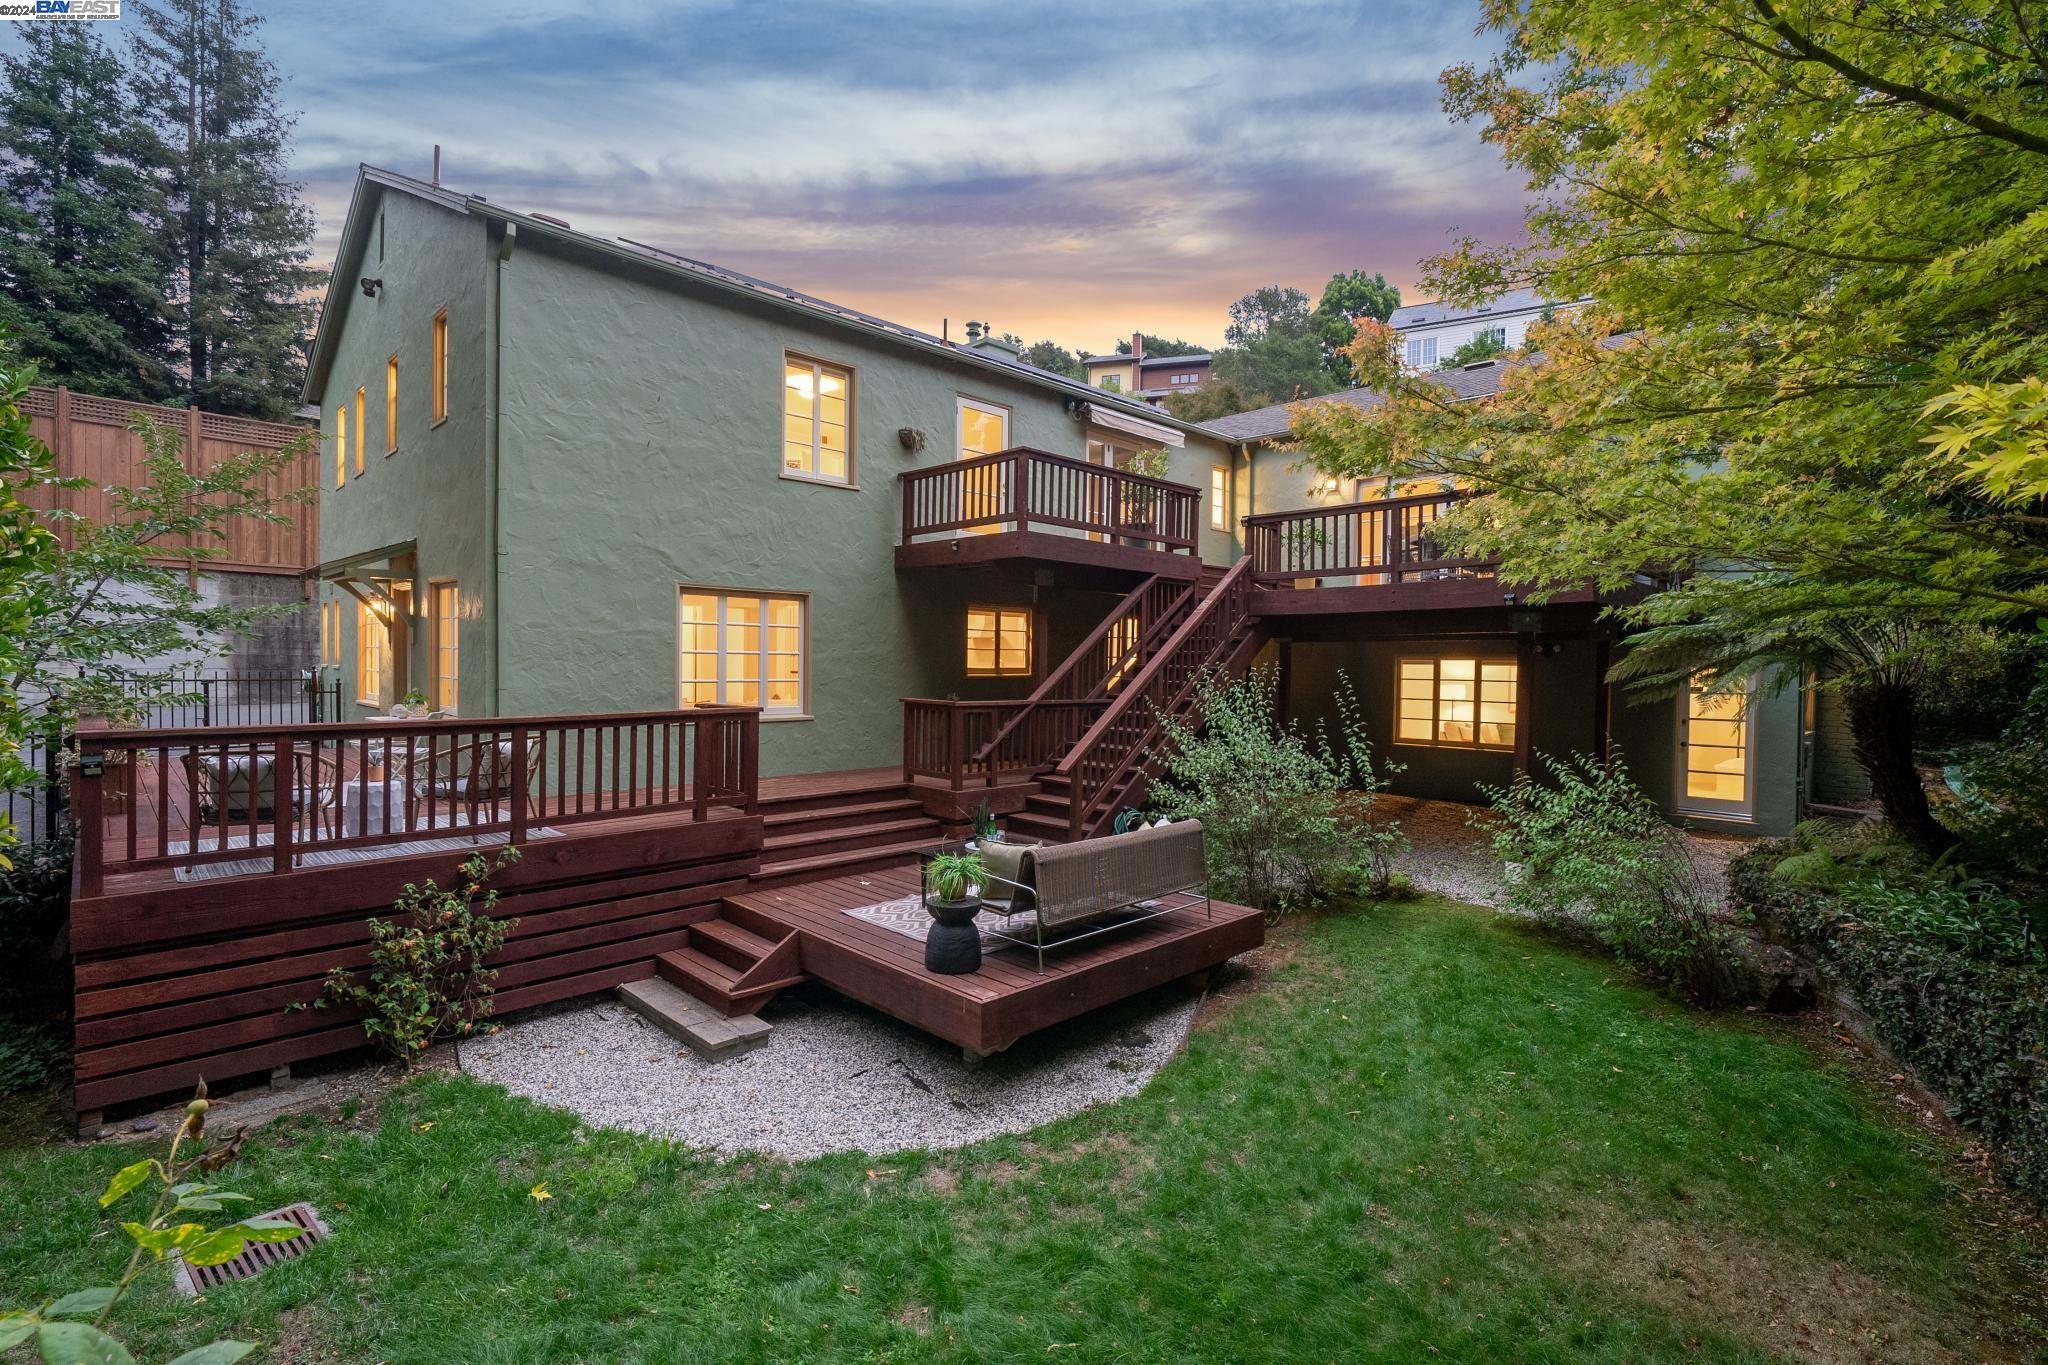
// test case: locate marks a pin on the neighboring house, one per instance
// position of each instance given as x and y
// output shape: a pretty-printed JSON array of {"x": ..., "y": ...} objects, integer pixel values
[
  {"x": 1431, "y": 333},
  {"x": 1151, "y": 378},
  {"x": 570, "y": 474}
]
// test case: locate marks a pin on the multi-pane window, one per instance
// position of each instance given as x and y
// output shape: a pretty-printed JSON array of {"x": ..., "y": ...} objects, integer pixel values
[
  {"x": 742, "y": 649},
  {"x": 1496, "y": 335},
  {"x": 1113, "y": 382},
  {"x": 817, "y": 419},
  {"x": 341, "y": 446},
  {"x": 1421, "y": 353},
  {"x": 391, "y": 405},
  {"x": 1219, "y": 497},
  {"x": 360, "y": 396},
  {"x": 441, "y": 366},
  {"x": 1716, "y": 741},
  {"x": 445, "y": 605},
  {"x": 373, "y": 654},
  {"x": 998, "y": 642},
  {"x": 1116, "y": 649},
  {"x": 1462, "y": 703}
]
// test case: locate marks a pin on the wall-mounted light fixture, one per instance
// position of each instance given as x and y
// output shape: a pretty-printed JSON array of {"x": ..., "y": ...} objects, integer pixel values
[
  {"x": 910, "y": 438},
  {"x": 370, "y": 286}
]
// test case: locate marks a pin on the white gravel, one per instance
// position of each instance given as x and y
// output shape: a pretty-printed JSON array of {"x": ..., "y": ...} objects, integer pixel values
[{"x": 834, "y": 1076}]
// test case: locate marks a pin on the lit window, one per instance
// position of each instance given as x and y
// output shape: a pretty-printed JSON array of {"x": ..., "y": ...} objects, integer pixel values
[
  {"x": 391, "y": 406},
  {"x": 446, "y": 606},
  {"x": 330, "y": 632},
  {"x": 1219, "y": 497},
  {"x": 984, "y": 428},
  {"x": 1460, "y": 703},
  {"x": 742, "y": 650},
  {"x": 816, "y": 420},
  {"x": 441, "y": 366},
  {"x": 1421, "y": 352},
  {"x": 360, "y": 395},
  {"x": 373, "y": 653},
  {"x": 341, "y": 447},
  {"x": 1716, "y": 743},
  {"x": 998, "y": 642},
  {"x": 1117, "y": 649}
]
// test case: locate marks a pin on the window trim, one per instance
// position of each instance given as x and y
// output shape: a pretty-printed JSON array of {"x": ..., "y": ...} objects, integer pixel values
[
  {"x": 1479, "y": 661},
  {"x": 330, "y": 632},
  {"x": 988, "y": 407},
  {"x": 763, "y": 595},
  {"x": 999, "y": 610},
  {"x": 1219, "y": 497},
  {"x": 435, "y": 620},
  {"x": 362, "y": 395},
  {"x": 391, "y": 404},
  {"x": 440, "y": 367},
  {"x": 341, "y": 446},
  {"x": 1741, "y": 812},
  {"x": 817, "y": 364},
  {"x": 368, "y": 626}
]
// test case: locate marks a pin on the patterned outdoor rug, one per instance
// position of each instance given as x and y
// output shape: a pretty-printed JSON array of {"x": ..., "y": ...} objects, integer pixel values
[
  {"x": 907, "y": 916},
  {"x": 332, "y": 857}
]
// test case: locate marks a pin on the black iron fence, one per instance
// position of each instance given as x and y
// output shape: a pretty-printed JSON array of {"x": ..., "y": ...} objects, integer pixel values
[{"x": 189, "y": 701}]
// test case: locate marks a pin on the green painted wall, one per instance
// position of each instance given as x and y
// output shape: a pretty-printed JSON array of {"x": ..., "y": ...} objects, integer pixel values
[
  {"x": 641, "y": 452},
  {"x": 432, "y": 489}
]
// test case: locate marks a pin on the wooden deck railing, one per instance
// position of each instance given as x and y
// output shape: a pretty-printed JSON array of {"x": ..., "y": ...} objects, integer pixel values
[
  {"x": 1388, "y": 541},
  {"x": 1025, "y": 489},
  {"x": 1115, "y": 746},
  {"x": 960, "y": 742},
  {"x": 272, "y": 795}
]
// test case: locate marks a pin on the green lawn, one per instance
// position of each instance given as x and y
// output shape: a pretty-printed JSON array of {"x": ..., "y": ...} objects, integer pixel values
[{"x": 1430, "y": 1134}]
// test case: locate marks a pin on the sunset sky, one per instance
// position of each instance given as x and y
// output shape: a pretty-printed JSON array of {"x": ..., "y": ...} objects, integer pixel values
[{"x": 1056, "y": 172}]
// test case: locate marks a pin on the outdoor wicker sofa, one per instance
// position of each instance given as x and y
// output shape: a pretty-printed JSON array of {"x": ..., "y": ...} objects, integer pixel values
[{"x": 1109, "y": 883}]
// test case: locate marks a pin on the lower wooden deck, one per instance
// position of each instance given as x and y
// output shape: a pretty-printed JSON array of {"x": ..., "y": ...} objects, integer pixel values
[{"x": 987, "y": 1010}]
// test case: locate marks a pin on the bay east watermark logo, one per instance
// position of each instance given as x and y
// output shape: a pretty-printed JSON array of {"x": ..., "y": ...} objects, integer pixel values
[{"x": 60, "y": 10}]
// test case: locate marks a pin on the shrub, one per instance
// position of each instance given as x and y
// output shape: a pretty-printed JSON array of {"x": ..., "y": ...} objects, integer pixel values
[
  {"x": 1588, "y": 851},
  {"x": 35, "y": 898},
  {"x": 427, "y": 980},
  {"x": 1940, "y": 994},
  {"x": 1288, "y": 817}
]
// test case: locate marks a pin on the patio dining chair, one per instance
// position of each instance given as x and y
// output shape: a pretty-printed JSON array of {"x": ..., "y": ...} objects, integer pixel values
[{"x": 236, "y": 787}]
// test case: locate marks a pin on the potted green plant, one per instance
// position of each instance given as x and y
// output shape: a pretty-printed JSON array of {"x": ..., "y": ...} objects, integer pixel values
[
  {"x": 952, "y": 883},
  {"x": 985, "y": 831}
]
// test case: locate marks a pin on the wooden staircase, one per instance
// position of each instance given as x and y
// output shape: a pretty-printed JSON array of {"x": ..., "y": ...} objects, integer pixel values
[
  {"x": 864, "y": 822},
  {"x": 735, "y": 962}
]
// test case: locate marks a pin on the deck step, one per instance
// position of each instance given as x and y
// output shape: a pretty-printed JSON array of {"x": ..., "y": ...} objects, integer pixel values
[
  {"x": 708, "y": 1033},
  {"x": 776, "y": 848},
  {"x": 736, "y": 947},
  {"x": 780, "y": 822},
  {"x": 840, "y": 864}
]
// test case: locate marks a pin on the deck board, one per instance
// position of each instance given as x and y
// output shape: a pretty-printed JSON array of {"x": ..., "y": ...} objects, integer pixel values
[{"x": 1009, "y": 997}]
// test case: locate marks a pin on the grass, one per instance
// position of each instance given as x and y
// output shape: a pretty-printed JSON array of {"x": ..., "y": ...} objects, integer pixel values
[{"x": 1429, "y": 1134}]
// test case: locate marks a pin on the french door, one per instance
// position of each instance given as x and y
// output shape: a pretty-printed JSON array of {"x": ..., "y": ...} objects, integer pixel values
[{"x": 1717, "y": 750}]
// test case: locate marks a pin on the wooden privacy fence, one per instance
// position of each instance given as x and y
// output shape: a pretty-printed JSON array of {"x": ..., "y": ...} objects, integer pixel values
[
  {"x": 265, "y": 798},
  {"x": 1386, "y": 541},
  {"x": 1024, "y": 489},
  {"x": 631, "y": 828},
  {"x": 90, "y": 438}
]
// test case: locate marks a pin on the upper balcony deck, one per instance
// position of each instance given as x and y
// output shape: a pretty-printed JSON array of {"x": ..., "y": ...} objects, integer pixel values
[{"x": 1036, "y": 508}]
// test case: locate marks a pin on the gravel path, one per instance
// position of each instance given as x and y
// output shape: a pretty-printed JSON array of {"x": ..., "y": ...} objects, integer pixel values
[{"x": 835, "y": 1076}]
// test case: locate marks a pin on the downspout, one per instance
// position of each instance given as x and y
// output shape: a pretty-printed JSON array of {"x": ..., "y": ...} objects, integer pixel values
[{"x": 492, "y": 484}]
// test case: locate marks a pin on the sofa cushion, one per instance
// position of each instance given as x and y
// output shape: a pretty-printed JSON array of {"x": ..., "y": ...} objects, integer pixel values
[{"x": 1008, "y": 862}]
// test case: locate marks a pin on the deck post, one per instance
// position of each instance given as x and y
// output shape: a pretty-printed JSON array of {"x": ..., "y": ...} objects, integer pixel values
[
  {"x": 520, "y": 811},
  {"x": 88, "y": 817},
  {"x": 750, "y": 760},
  {"x": 284, "y": 798},
  {"x": 956, "y": 747},
  {"x": 700, "y": 765},
  {"x": 1020, "y": 489}
]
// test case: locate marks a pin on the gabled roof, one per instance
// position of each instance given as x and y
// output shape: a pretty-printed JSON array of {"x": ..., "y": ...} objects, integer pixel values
[
  {"x": 1265, "y": 424},
  {"x": 372, "y": 182},
  {"x": 1430, "y": 314}
]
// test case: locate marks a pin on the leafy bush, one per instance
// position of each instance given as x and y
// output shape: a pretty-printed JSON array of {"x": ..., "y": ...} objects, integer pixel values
[
  {"x": 35, "y": 900},
  {"x": 1587, "y": 850},
  {"x": 28, "y": 1054},
  {"x": 427, "y": 980},
  {"x": 2004, "y": 807},
  {"x": 73, "y": 1328},
  {"x": 1288, "y": 817},
  {"x": 1940, "y": 992}
]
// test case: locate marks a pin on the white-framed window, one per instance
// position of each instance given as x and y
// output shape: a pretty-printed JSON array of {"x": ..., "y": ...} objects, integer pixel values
[
  {"x": 444, "y": 609},
  {"x": 1421, "y": 352},
  {"x": 1717, "y": 748},
  {"x": 1495, "y": 334},
  {"x": 1113, "y": 382},
  {"x": 998, "y": 642},
  {"x": 742, "y": 649},
  {"x": 373, "y": 653},
  {"x": 1184, "y": 379},
  {"x": 1460, "y": 703},
  {"x": 1219, "y": 497},
  {"x": 984, "y": 428},
  {"x": 817, "y": 420}
]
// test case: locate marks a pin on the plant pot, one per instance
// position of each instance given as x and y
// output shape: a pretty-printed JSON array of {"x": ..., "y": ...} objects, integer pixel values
[{"x": 952, "y": 946}]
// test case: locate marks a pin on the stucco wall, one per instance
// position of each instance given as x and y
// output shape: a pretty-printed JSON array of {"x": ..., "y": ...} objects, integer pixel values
[
  {"x": 641, "y": 452},
  {"x": 431, "y": 490}
]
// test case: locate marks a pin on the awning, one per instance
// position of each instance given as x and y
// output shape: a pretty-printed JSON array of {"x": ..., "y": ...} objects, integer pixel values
[
  {"x": 1117, "y": 420},
  {"x": 364, "y": 576}
]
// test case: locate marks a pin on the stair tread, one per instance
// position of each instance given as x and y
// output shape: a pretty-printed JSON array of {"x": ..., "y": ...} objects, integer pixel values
[
  {"x": 850, "y": 812},
  {"x": 742, "y": 941},
  {"x": 699, "y": 966},
  {"x": 780, "y": 842},
  {"x": 844, "y": 858}
]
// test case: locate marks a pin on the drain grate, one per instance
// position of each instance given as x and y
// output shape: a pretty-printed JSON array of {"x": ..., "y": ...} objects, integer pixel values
[{"x": 257, "y": 1257}]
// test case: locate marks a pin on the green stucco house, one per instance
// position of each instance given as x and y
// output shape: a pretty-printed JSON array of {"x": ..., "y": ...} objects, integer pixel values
[{"x": 568, "y": 474}]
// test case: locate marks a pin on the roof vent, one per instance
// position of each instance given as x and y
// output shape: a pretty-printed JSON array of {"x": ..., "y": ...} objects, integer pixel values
[
  {"x": 1479, "y": 364},
  {"x": 549, "y": 218},
  {"x": 257, "y": 1257}
]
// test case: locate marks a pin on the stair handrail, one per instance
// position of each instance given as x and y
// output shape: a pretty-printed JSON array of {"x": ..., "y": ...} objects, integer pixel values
[
  {"x": 1082, "y": 653},
  {"x": 1229, "y": 601}
]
